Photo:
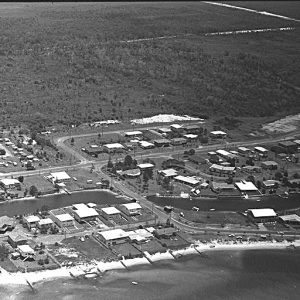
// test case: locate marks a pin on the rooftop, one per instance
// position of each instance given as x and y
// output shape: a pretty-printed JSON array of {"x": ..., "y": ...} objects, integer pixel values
[
  {"x": 32, "y": 219},
  {"x": 132, "y": 205},
  {"x": 114, "y": 145},
  {"x": 145, "y": 166},
  {"x": 64, "y": 217},
  {"x": 60, "y": 176},
  {"x": 218, "y": 132},
  {"x": 260, "y": 149},
  {"x": 114, "y": 234},
  {"x": 110, "y": 210},
  {"x": 186, "y": 179},
  {"x": 169, "y": 172},
  {"x": 132, "y": 133},
  {"x": 46, "y": 221},
  {"x": 290, "y": 218},
  {"x": 146, "y": 144},
  {"x": 246, "y": 186},
  {"x": 25, "y": 249},
  {"x": 191, "y": 136},
  {"x": 263, "y": 212},
  {"x": 10, "y": 181},
  {"x": 5, "y": 220}
]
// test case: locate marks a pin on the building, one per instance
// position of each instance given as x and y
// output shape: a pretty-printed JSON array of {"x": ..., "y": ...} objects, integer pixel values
[
  {"x": 222, "y": 186},
  {"x": 177, "y": 128},
  {"x": 6, "y": 224},
  {"x": 270, "y": 184},
  {"x": 191, "y": 129},
  {"x": 146, "y": 145},
  {"x": 165, "y": 233},
  {"x": 60, "y": 177},
  {"x": 269, "y": 165},
  {"x": 292, "y": 219},
  {"x": 261, "y": 151},
  {"x": 113, "y": 237},
  {"x": 83, "y": 213},
  {"x": 26, "y": 252},
  {"x": 222, "y": 169},
  {"x": 10, "y": 183},
  {"x": 244, "y": 151},
  {"x": 15, "y": 239},
  {"x": 247, "y": 187},
  {"x": 93, "y": 150},
  {"x": 162, "y": 143},
  {"x": 110, "y": 213},
  {"x": 164, "y": 131},
  {"x": 227, "y": 155},
  {"x": 170, "y": 173},
  {"x": 132, "y": 209},
  {"x": 289, "y": 146},
  {"x": 190, "y": 136},
  {"x": 133, "y": 134},
  {"x": 31, "y": 221},
  {"x": 217, "y": 134},
  {"x": 187, "y": 180},
  {"x": 64, "y": 220},
  {"x": 145, "y": 166},
  {"x": 252, "y": 169},
  {"x": 262, "y": 215},
  {"x": 45, "y": 223},
  {"x": 114, "y": 147},
  {"x": 178, "y": 141},
  {"x": 131, "y": 173}
]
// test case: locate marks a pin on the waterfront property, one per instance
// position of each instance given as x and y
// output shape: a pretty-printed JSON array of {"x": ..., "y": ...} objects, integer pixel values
[
  {"x": 31, "y": 221},
  {"x": 83, "y": 213},
  {"x": 45, "y": 224},
  {"x": 15, "y": 239},
  {"x": 165, "y": 232},
  {"x": 26, "y": 252},
  {"x": 132, "y": 209},
  {"x": 60, "y": 177},
  {"x": 292, "y": 219},
  {"x": 247, "y": 187},
  {"x": 110, "y": 213},
  {"x": 262, "y": 215},
  {"x": 64, "y": 220},
  {"x": 10, "y": 183},
  {"x": 113, "y": 237}
]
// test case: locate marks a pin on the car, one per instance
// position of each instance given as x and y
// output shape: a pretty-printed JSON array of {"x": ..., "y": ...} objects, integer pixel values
[
  {"x": 15, "y": 163},
  {"x": 181, "y": 214},
  {"x": 74, "y": 178},
  {"x": 195, "y": 208}
]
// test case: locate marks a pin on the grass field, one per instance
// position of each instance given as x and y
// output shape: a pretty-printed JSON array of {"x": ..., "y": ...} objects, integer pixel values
[{"x": 63, "y": 63}]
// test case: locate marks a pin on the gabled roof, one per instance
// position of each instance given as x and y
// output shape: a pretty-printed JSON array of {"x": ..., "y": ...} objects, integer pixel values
[
  {"x": 132, "y": 205},
  {"x": 32, "y": 219},
  {"x": 290, "y": 218},
  {"x": 114, "y": 234},
  {"x": 110, "y": 210},
  {"x": 263, "y": 212}
]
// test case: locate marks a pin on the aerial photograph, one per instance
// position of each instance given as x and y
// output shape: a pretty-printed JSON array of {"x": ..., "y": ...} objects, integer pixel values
[{"x": 150, "y": 150}]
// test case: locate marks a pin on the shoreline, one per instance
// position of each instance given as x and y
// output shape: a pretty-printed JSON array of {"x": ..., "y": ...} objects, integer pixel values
[{"x": 197, "y": 248}]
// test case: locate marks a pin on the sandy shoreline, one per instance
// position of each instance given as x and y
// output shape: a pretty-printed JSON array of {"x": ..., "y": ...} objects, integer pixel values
[{"x": 197, "y": 248}]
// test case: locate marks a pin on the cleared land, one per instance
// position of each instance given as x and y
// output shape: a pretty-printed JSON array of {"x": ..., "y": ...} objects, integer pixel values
[{"x": 63, "y": 63}]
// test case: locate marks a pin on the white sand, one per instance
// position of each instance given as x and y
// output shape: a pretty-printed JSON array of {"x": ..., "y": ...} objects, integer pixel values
[
  {"x": 19, "y": 278},
  {"x": 164, "y": 118}
]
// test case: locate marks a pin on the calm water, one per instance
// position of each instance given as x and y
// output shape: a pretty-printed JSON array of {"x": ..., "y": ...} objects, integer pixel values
[
  {"x": 55, "y": 201},
  {"x": 275, "y": 202},
  {"x": 234, "y": 275}
]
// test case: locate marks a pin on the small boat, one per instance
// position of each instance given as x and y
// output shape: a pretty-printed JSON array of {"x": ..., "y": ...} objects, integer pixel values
[
  {"x": 134, "y": 282},
  {"x": 91, "y": 275}
]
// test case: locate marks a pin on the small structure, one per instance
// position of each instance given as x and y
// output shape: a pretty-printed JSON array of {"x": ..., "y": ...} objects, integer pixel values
[
  {"x": 64, "y": 220},
  {"x": 252, "y": 169},
  {"x": 83, "y": 213},
  {"x": 131, "y": 173},
  {"x": 261, "y": 151},
  {"x": 243, "y": 151},
  {"x": 162, "y": 143},
  {"x": 132, "y": 134},
  {"x": 132, "y": 209},
  {"x": 217, "y": 134},
  {"x": 10, "y": 183},
  {"x": 262, "y": 215},
  {"x": 170, "y": 173},
  {"x": 178, "y": 141},
  {"x": 190, "y": 136},
  {"x": 26, "y": 252},
  {"x": 222, "y": 169},
  {"x": 146, "y": 145},
  {"x": 270, "y": 184},
  {"x": 164, "y": 131},
  {"x": 269, "y": 165},
  {"x": 222, "y": 186},
  {"x": 31, "y": 221},
  {"x": 187, "y": 180},
  {"x": 193, "y": 129},
  {"x": 60, "y": 177},
  {"x": 247, "y": 187},
  {"x": 289, "y": 146},
  {"x": 165, "y": 233},
  {"x": 145, "y": 166},
  {"x": 6, "y": 224},
  {"x": 45, "y": 223},
  {"x": 110, "y": 213},
  {"x": 15, "y": 239},
  {"x": 113, "y": 237},
  {"x": 114, "y": 147},
  {"x": 176, "y": 128},
  {"x": 292, "y": 219}
]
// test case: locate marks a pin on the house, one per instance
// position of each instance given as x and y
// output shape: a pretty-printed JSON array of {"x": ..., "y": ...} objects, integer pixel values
[
  {"x": 26, "y": 251},
  {"x": 222, "y": 169},
  {"x": 64, "y": 220},
  {"x": 83, "y": 213},
  {"x": 217, "y": 134},
  {"x": 15, "y": 239},
  {"x": 270, "y": 184},
  {"x": 146, "y": 145},
  {"x": 177, "y": 128},
  {"x": 292, "y": 219},
  {"x": 178, "y": 141},
  {"x": 252, "y": 169},
  {"x": 145, "y": 166},
  {"x": 60, "y": 177},
  {"x": 222, "y": 186},
  {"x": 132, "y": 209},
  {"x": 133, "y": 134},
  {"x": 269, "y": 165},
  {"x": 247, "y": 187},
  {"x": 165, "y": 233},
  {"x": 243, "y": 151},
  {"x": 31, "y": 221},
  {"x": 190, "y": 136},
  {"x": 113, "y": 237},
  {"x": 6, "y": 224},
  {"x": 45, "y": 223},
  {"x": 110, "y": 213},
  {"x": 191, "y": 129},
  {"x": 187, "y": 180},
  {"x": 261, "y": 151},
  {"x": 114, "y": 147},
  {"x": 170, "y": 173},
  {"x": 162, "y": 143},
  {"x": 227, "y": 155},
  {"x": 93, "y": 150},
  {"x": 289, "y": 146},
  {"x": 262, "y": 215},
  {"x": 164, "y": 131},
  {"x": 132, "y": 173},
  {"x": 10, "y": 183}
]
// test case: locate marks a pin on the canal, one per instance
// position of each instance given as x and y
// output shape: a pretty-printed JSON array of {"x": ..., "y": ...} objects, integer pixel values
[{"x": 11, "y": 208}]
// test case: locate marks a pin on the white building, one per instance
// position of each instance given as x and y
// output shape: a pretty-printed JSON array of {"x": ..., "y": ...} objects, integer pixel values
[
  {"x": 133, "y": 134},
  {"x": 168, "y": 173},
  {"x": 187, "y": 180},
  {"x": 132, "y": 209},
  {"x": 110, "y": 212},
  {"x": 64, "y": 220},
  {"x": 83, "y": 213},
  {"x": 261, "y": 151},
  {"x": 247, "y": 187},
  {"x": 146, "y": 145},
  {"x": 113, "y": 237},
  {"x": 26, "y": 251},
  {"x": 145, "y": 166},
  {"x": 262, "y": 214},
  {"x": 45, "y": 223},
  {"x": 217, "y": 134},
  {"x": 60, "y": 177},
  {"x": 31, "y": 221},
  {"x": 114, "y": 147},
  {"x": 243, "y": 151},
  {"x": 191, "y": 136},
  {"x": 10, "y": 183}
]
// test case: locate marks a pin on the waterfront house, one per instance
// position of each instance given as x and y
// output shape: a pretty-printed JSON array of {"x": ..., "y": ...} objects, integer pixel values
[
  {"x": 110, "y": 213},
  {"x": 64, "y": 220},
  {"x": 132, "y": 209},
  {"x": 60, "y": 177},
  {"x": 262, "y": 215},
  {"x": 165, "y": 233},
  {"x": 292, "y": 219},
  {"x": 113, "y": 237},
  {"x": 26, "y": 252},
  {"x": 15, "y": 239},
  {"x": 10, "y": 183},
  {"x": 83, "y": 213},
  {"x": 45, "y": 223},
  {"x": 31, "y": 221}
]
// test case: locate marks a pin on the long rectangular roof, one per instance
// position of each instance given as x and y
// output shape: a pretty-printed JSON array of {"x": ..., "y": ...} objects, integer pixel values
[
  {"x": 60, "y": 175},
  {"x": 246, "y": 186},
  {"x": 263, "y": 212},
  {"x": 260, "y": 149},
  {"x": 114, "y": 234},
  {"x": 132, "y": 205},
  {"x": 9, "y": 181},
  {"x": 185, "y": 179},
  {"x": 169, "y": 172},
  {"x": 114, "y": 146},
  {"x": 110, "y": 210},
  {"x": 64, "y": 217},
  {"x": 145, "y": 166},
  {"x": 32, "y": 219},
  {"x": 46, "y": 221},
  {"x": 291, "y": 218},
  {"x": 218, "y": 132},
  {"x": 132, "y": 133},
  {"x": 85, "y": 212},
  {"x": 222, "y": 168}
]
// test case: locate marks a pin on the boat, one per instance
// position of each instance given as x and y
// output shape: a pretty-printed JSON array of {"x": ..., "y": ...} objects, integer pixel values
[
  {"x": 134, "y": 282},
  {"x": 90, "y": 275}
]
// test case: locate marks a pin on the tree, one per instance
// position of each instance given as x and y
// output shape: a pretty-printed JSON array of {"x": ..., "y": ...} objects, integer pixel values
[
  {"x": 21, "y": 179},
  {"x": 258, "y": 184},
  {"x": 278, "y": 175},
  {"x": 128, "y": 160},
  {"x": 33, "y": 191},
  {"x": 72, "y": 141},
  {"x": 109, "y": 164}
]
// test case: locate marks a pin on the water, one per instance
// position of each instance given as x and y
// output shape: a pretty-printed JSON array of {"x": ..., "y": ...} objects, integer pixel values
[
  {"x": 11, "y": 208},
  {"x": 234, "y": 275},
  {"x": 230, "y": 204}
]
